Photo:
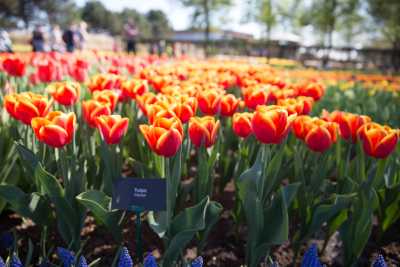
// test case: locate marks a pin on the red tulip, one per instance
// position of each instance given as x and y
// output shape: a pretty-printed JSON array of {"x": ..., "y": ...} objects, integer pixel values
[
  {"x": 164, "y": 137},
  {"x": 14, "y": 67},
  {"x": 65, "y": 93},
  {"x": 271, "y": 124},
  {"x": 92, "y": 109},
  {"x": 26, "y": 106},
  {"x": 229, "y": 104},
  {"x": 241, "y": 124},
  {"x": 56, "y": 129},
  {"x": 112, "y": 127},
  {"x": 209, "y": 101},
  {"x": 203, "y": 131},
  {"x": 378, "y": 141}
]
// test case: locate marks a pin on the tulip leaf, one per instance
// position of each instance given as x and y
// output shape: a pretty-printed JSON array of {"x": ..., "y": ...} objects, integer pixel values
[
  {"x": 325, "y": 212},
  {"x": 29, "y": 159},
  {"x": 33, "y": 206},
  {"x": 158, "y": 222},
  {"x": 276, "y": 219},
  {"x": 99, "y": 204},
  {"x": 212, "y": 216},
  {"x": 183, "y": 228}
]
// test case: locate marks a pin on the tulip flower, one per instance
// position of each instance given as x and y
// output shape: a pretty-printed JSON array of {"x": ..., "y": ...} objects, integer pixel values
[
  {"x": 92, "y": 109},
  {"x": 254, "y": 97},
  {"x": 349, "y": 123},
  {"x": 209, "y": 102},
  {"x": 14, "y": 67},
  {"x": 65, "y": 93},
  {"x": 27, "y": 105},
  {"x": 378, "y": 141},
  {"x": 203, "y": 131},
  {"x": 271, "y": 124},
  {"x": 134, "y": 87},
  {"x": 300, "y": 106},
  {"x": 241, "y": 124},
  {"x": 164, "y": 137},
  {"x": 48, "y": 72},
  {"x": 160, "y": 109},
  {"x": 229, "y": 104},
  {"x": 56, "y": 129},
  {"x": 312, "y": 89},
  {"x": 146, "y": 99},
  {"x": 102, "y": 82},
  {"x": 112, "y": 127},
  {"x": 319, "y": 135},
  {"x": 184, "y": 111},
  {"x": 106, "y": 97}
]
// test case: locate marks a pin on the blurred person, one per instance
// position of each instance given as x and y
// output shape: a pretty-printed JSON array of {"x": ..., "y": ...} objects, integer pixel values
[
  {"x": 69, "y": 38},
  {"x": 81, "y": 35},
  {"x": 5, "y": 42},
  {"x": 130, "y": 33},
  {"x": 37, "y": 40},
  {"x": 55, "y": 39}
]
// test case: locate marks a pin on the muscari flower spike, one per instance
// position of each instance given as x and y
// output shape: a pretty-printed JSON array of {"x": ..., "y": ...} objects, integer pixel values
[
  {"x": 15, "y": 262},
  {"x": 44, "y": 263},
  {"x": 150, "y": 261},
  {"x": 82, "y": 262},
  {"x": 67, "y": 257},
  {"x": 6, "y": 240},
  {"x": 125, "y": 259},
  {"x": 379, "y": 262},
  {"x": 2, "y": 264},
  {"x": 197, "y": 262},
  {"x": 310, "y": 258}
]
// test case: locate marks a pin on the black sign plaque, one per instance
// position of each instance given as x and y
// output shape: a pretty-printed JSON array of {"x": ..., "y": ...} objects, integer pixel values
[{"x": 147, "y": 194}]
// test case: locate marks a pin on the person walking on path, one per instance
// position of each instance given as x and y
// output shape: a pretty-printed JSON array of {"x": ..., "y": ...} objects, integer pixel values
[{"x": 130, "y": 33}]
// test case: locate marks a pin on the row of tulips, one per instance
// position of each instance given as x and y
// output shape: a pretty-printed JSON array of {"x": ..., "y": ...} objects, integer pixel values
[{"x": 236, "y": 120}]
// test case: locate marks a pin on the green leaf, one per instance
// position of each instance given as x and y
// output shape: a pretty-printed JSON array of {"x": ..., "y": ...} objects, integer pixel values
[
  {"x": 99, "y": 204},
  {"x": 213, "y": 213},
  {"x": 33, "y": 206},
  {"x": 325, "y": 212},
  {"x": 183, "y": 227}
]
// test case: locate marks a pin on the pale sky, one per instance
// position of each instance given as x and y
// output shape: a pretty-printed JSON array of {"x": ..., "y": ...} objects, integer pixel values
[{"x": 179, "y": 16}]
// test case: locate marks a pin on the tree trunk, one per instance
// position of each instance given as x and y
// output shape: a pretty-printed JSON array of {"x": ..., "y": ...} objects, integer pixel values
[{"x": 207, "y": 29}]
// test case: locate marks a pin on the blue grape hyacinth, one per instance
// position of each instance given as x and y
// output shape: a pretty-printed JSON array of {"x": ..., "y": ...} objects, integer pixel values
[
  {"x": 67, "y": 257},
  {"x": 15, "y": 262},
  {"x": 82, "y": 262},
  {"x": 150, "y": 261},
  {"x": 6, "y": 240},
  {"x": 197, "y": 262},
  {"x": 379, "y": 262},
  {"x": 310, "y": 258},
  {"x": 125, "y": 259},
  {"x": 2, "y": 264}
]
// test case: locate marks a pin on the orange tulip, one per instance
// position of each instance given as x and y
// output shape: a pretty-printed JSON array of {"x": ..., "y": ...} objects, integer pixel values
[
  {"x": 349, "y": 123},
  {"x": 56, "y": 129},
  {"x": 255, "y": 96},
  {"x": 26, "y": 106},
  {"x": 160, "y": 109},
  {"x": 91, "y": 109},
  {"x": 229, "y": 104},
  {"x": 241, "y": 124},
  {"x": 271, "y": 124},
  {"x": 146, "y": 99},
  {"x": 65, "y": 93},
  {"x": 209, "y": 101},
  {"x": 203, "y": 130},
  {"x": 164, "y": 137},
  {"x": 319, "y": 135},
  {"x": 112, "y": 127},
  {"x": 106, "y": 97},
  {"x": 185, "y": 108},
  {"x": 378, "y": 141},
  {"x": 301, "y": 105},
  {"x": 312, "y": 89},
  {"x": 134, "y": 87}
]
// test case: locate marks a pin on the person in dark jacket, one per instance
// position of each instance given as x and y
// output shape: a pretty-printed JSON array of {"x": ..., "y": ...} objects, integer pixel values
[
  {"x": 69, "y": 39},
  {"x": 37, "y": 40}
]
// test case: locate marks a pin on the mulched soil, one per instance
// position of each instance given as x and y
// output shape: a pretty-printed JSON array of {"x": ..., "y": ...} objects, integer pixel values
[{"x": 225, "y": 246}]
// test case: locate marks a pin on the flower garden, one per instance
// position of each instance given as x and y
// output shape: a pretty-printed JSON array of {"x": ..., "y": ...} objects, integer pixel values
[{"x": 269, "y": 164}]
